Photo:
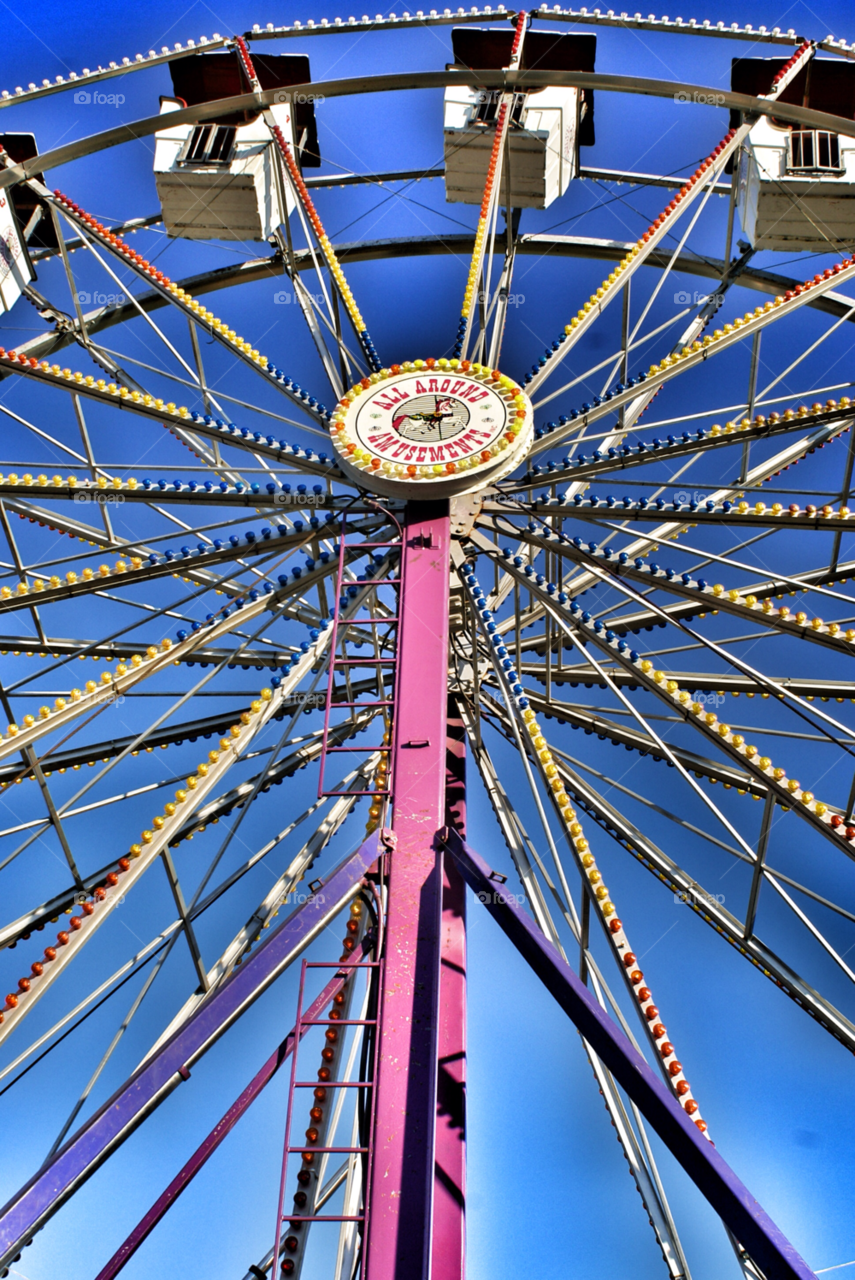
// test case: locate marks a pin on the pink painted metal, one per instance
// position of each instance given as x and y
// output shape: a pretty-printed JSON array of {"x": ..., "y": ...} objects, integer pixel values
[
  {"x": 398, "y": 1233},
  {"x": 448, "y": 1248}
]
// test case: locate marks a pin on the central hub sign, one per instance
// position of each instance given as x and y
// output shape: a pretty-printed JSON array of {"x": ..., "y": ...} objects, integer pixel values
[{"x": 438, "y": 427}]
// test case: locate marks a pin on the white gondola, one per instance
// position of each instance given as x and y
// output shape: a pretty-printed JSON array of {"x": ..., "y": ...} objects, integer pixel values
[
  {"x": 796, "y": 187},
  {"x": 548, "y": 125},
  {"x": 541, "y": 146},
  {"x": 220, "y": 182},
  {"x": 15, "y": 268},
  {"x": 221, "y": 179}
]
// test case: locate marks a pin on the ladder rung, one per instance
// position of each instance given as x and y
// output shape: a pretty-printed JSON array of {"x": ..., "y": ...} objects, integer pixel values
[
  {"x": 387, "y": 703},
  {"x": 355, "y": 794},
  {"x": 329, "y": 1151},
  {"x": 334, "y": 1084},
  {"x": 364, "y": 750},
  {"x": 338, "y": 1022},
  {"x": 368, "y": 622},
  {"x": 365, "y": 662},
  {"x": 323, "y": 1217}
]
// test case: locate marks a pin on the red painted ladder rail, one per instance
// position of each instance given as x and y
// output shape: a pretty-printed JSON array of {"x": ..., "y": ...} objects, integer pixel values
[
  {"x": 292, "y": 1246},
  {"x": 344, "y": 663}
]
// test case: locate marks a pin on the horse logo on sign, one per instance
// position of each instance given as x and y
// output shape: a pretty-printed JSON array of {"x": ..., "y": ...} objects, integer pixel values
[{"x": 431, "y": 418}]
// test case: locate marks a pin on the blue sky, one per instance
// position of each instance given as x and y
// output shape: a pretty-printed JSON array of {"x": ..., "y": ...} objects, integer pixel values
[{"x": 549, "y": 1192}]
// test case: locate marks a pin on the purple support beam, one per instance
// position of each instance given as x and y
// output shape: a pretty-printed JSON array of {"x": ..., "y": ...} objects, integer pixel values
[
  {"x": 203, "y": 1153},
  {"x": 398, "y": 1234},
  {"x": 448, "y": 1250},
  {"x": 732, "y": 1201},
  {"x": 40, "y": 1198}
]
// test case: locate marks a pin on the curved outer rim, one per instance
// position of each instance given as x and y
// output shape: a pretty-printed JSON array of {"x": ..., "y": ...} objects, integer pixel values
[
  {"x": 701, "y": 95},
  {"x": 586, "y": 247}
]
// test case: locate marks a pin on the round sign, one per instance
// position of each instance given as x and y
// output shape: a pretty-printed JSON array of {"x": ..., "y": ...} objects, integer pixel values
[{"x": 431, "y": 428}]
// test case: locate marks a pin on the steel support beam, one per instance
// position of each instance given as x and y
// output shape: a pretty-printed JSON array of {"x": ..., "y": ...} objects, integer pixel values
[
  {"x": 717, "y": 1182},
  {"x": 448, "y": 1249},
  {"x": 74, "y": 1163},
  {"x": 398, "y": 1232}
]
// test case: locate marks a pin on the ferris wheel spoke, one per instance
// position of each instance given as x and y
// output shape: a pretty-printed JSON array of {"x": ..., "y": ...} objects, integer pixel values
[
  {"x": 96, "y": 698},
  {"x": 532, "y": 745},
  {"x": 823, "y": 820},
  {"x": 240, "y": 945},
  {"x": 663, "y": 532},
  {"x": 695, "y": 185},
  {"x": 690, "y": 356},
  {"x": 765, "y": 589},
  {"x": 704, "y": 903},
  {"x": 762, "y": 680},
  {"x": 627, "y": 457},
  {"x": 572, "y": 674},
  {"x": 179, "y": 298},
  {"x": 175, "y": 419},
  {"x": 816, "y": 813},
  {"x": 136, "y": 572},
  {"x": 759, "y": 862},
  {"x": 637, "y": 1150},
  {"x": 479, "y": 265},
  {"x": 304, "y": 199},
  {"x": 741, "y": 603},
  {"x": 207, "y": 776},
  {"x": 707, "y": 907},
  {"x": 193, "y": 567},
  {"x": 305, "y": 751},
  {"x": 196, "y": 382},
  {"x": 700, "y": 184}
]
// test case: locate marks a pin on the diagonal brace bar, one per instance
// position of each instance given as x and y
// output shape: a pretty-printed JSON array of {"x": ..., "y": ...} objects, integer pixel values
[
  {"x": 206, "y": 1149},
  {"x": 717, "y": 1182},
  {"x": 151, "y": 1083}
]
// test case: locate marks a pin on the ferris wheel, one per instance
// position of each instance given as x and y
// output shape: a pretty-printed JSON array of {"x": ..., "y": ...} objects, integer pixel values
[{"x": 404, "y": 579}]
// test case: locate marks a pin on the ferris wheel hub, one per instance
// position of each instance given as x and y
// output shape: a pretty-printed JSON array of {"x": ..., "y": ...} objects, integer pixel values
[{"x": 431, "y": 428}]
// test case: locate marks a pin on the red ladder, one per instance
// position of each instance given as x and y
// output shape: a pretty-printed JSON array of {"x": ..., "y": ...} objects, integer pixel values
[
  {"x": 323, "y": 1092},
  {"x": 344, "y": 662}
]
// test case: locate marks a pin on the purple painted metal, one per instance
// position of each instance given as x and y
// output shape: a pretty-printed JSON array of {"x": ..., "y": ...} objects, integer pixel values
[
  {"x": 398, "y": 1233},
  {"x": 40, "y": 1198},
  {"x": 732, "y": 1201},
  {"x": 448, "y": 1249},
  {"x": 203, "y": 1153}
]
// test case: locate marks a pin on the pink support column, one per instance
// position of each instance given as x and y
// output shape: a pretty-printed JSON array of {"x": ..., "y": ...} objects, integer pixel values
[
  {"x": 448, "y": 1251},
  {"x": 398, "y": 1233}
]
